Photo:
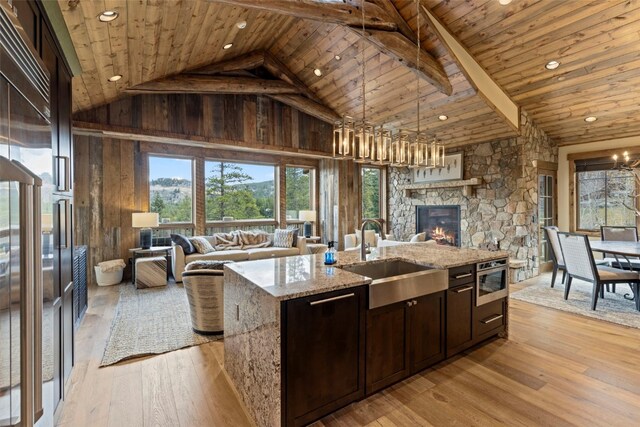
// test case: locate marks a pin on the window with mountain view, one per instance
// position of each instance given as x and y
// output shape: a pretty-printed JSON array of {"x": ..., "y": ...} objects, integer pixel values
[
  {"x": 239, "y": 191},
  {"x": 299, "y": 197},
  {"x": 602, "y": 196},
  {"x": 171, "y": 189},
  {"x": 371, "y": 193}
]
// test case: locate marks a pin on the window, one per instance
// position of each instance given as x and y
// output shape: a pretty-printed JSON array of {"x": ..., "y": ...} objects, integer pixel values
[
  {"x": 371, "y": 193},
  {"x": 300, "y": 183},
  {"x": 171, "y": 189},
  {"x": 239, "y": 191},
  {"x": 602, "y": 196}
]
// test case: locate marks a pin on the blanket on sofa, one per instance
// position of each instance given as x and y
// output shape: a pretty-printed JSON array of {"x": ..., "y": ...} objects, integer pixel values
[{"x": 241, "y": 240}]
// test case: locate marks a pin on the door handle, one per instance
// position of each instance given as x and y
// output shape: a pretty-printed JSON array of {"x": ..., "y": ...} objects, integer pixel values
[
  {"x": 462, "y": 276},
  {"x": 465, "y": 289},
  {"x": 492, "y": 319},
  {"x": 339, "y": 297}
]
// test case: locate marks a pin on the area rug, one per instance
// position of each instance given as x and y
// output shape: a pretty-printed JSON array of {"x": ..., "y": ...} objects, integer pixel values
[
  {"x": 613, "y": 308},
  {"x": 151, "y": 321}
]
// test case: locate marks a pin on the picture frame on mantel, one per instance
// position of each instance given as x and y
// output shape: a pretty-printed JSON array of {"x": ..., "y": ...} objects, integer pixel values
[{"x": 453, "y": 170}]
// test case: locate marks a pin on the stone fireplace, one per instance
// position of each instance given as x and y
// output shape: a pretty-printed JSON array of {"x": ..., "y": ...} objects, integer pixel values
[{"x": 441, "y": 223}]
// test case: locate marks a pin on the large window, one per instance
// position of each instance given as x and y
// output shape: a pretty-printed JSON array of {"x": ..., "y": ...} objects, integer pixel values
[
  {"x": 171, "y": 189},
  {"x": 602, "y": 196},
  {"x": 239, "y": 191},
  {"x": 300, "y": 182},
  {"x": 372, "y": 193}
]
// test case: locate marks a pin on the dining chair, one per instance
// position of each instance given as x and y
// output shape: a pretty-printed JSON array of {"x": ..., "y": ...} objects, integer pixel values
[
  {"x": 556, "y": 254},
  {"x": 579, "y": 263},
  {"x": 620, "y": 234}
]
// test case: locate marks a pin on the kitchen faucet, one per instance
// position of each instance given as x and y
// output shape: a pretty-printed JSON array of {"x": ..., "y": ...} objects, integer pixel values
[{"x": 363, "y": 249}]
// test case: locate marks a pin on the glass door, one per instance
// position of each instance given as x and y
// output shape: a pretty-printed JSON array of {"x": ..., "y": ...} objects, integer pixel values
[{"x": 546, "y": 214}]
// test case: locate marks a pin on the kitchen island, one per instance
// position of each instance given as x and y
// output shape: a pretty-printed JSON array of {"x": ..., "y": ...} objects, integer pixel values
[{"x": 301, "y": 339}]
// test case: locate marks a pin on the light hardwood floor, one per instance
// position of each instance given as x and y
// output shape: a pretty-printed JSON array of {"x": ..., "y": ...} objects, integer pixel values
[{"x": 556, "y": 369}]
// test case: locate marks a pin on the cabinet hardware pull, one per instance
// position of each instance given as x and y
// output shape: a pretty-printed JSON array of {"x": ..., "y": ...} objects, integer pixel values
[
  {"x": 493, "y": 319},
  {"x": 465, "y": 289},
  {"x": 322, "y": 301},
  {"x": 409, "y": 303},
  {"x": 414, "y": 302},
  {"x": 462, "y": 276}
]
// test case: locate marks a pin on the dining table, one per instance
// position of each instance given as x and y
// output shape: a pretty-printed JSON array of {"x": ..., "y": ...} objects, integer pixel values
[{"x": 623, "y": 252}]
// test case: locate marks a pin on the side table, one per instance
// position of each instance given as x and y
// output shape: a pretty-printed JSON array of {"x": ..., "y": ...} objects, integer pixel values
[
  {"x": 316, "y": 248},
  {"x": 313, "y": 239},
  {"x": 154, "y": 250}
]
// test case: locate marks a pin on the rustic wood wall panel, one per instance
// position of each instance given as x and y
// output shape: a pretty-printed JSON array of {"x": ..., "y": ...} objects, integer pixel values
[{"x": 243, "y": 119}]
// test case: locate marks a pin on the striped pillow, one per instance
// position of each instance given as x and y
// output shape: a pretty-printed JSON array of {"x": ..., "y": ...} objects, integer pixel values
[{"x": 283, "y": 238}]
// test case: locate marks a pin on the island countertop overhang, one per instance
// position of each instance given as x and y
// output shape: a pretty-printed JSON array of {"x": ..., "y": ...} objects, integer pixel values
[{"x": 305, "y": 275}]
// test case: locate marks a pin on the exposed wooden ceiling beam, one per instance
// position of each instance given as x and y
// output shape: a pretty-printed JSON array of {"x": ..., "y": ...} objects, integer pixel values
[
  {"x": 279, "y": 70},
  {"x": 308, "y": 106},
  {"x": 385, "y": 37},
  {"x": 186, "y": 83},
  {"x": 247, "y": 61},
  {"x": 331, "y": 12},
  {"x": 403, "y": 26},
  {"x": 400, "y": 48}
]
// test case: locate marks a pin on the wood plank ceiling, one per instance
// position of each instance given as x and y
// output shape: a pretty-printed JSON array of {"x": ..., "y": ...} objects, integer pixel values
[{"x": 596, "y": 43}]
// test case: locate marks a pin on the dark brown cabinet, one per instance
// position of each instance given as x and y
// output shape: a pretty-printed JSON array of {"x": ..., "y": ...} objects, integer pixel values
[
  {"x": 404, "y": 338},
  {"x": 323, "y": 348},
  {"x": 460, "y": 309},
  {"x": 489, "y": 319}
]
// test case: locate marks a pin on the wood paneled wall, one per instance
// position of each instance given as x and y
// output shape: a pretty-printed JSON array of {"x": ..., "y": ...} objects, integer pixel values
[
  {"x": 247, "y": 120},
  {"x": 111, "y": 177}
]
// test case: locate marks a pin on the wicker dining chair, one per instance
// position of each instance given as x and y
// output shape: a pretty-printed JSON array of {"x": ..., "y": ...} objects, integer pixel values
[
  {"x": 556, "y": 254},
  {"x": 580, "y": 264}
]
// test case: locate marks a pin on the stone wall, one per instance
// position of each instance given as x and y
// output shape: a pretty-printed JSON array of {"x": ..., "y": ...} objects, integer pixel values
[{"x": 503, "y": 207}]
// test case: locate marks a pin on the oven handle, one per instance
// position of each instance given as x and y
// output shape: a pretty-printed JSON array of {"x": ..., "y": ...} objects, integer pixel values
[{"x": 493, "y": 270}]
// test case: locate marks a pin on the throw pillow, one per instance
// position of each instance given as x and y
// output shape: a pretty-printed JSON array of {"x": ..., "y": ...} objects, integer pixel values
[
  {"x": 296, "y": 232},
  {"x": 201, "y": 244},
  {"x": 420, "y": 237},
  {"x": 369, "y": 237},
  {"x": 184, "y": 242},
  {"x": 283, "y": 238}
]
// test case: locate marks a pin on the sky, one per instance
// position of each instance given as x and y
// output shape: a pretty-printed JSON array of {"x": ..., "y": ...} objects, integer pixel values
[{"x": 164, "y": 167}]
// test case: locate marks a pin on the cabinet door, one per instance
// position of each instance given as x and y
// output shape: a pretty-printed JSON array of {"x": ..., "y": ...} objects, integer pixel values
[
  {"x": 427, "y": 331},
  {"x": 323, "y": 354},
  {"x": 387, "y": 345},
  {"x": 459, "y": 318}
]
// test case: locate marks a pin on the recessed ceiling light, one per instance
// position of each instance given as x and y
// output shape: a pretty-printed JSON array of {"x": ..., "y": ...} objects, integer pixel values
[
  {"x": 443, "y": 117},
  {"x": 317, "y": 72},
  {"x": 108, "y": 16},
  {"x": 115, "y": 78},
  {"x": 242, "y": 25},
  {"x": 338, "y": 57},
  {"x": 504, "y": 2},
  {"x": 552, "y": 65},
  {"x": 227, "y": 46},
  {"x": 590, "y": 119}
]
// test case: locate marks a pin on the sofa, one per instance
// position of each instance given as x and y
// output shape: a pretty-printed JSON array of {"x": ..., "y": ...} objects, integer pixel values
[
  {"x": 352, "y": 241},
  {"x": 179, "y": 260}
]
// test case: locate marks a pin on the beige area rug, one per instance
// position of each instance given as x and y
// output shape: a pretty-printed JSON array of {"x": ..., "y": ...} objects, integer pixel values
[
  {"x": 8, "y": 351},
  {"x": 151, "y": 321},
  {"x": 613, "y": 308}
]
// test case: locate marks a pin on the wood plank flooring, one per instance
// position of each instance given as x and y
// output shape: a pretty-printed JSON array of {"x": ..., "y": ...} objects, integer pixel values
[{"x": 557, "y": 369}]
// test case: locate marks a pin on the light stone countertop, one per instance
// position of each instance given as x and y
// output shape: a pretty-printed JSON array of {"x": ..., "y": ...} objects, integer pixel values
[{"x": 304, "y": 275}]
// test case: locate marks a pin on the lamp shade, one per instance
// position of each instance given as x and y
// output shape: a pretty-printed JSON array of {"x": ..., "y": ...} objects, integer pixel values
[
  {"x": 144, "y": 220},
  {"x": 309, "y": 216}
]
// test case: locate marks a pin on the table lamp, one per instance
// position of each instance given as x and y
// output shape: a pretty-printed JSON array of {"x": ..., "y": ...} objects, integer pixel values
[
  {"x": 308, "y": 217},
  {"x": 145, "y": 221}
]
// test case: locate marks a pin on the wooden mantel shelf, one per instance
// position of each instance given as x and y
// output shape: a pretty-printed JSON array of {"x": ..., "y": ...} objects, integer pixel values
[{"x": 466, "y": 184}]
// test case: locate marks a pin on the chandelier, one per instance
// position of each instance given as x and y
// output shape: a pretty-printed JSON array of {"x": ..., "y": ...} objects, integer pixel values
[{"x": 367, "y": 143}]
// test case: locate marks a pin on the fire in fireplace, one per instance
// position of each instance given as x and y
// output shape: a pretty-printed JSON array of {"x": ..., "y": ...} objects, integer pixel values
[{"x": 440, "y": 223}]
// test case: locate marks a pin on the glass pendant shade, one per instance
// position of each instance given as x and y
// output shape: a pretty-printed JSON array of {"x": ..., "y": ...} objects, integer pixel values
[
  {"x": 364, "y": 141},
  {"x": 344, "y": 139},
  {"x": 382, "y": 145},
  {"x": 436, "y": 159},
  {"x": 398, "y": 155}
]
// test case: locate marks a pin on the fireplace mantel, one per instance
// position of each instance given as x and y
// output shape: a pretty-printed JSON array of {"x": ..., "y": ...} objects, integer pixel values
[{"x": 466, "y": 184}]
